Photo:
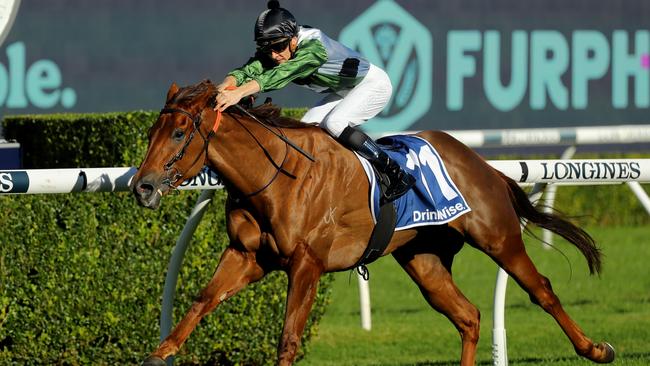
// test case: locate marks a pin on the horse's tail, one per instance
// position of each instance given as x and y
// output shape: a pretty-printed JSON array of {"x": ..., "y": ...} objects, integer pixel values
[{"x": 555, "y": 223}]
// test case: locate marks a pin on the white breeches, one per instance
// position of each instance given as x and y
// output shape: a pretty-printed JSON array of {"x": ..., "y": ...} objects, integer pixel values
[{"x": 352, "y": 107}]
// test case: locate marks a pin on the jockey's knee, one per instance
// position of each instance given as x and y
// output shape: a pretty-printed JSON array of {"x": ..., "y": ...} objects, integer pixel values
[{"x": 336, "y": 127}]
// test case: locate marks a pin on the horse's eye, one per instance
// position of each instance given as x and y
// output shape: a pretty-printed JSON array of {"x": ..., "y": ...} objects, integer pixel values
[{"x": 178, "y": 134}]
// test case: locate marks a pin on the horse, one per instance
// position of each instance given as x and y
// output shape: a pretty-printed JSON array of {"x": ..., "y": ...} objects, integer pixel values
[{"x": 306, "y": 218}]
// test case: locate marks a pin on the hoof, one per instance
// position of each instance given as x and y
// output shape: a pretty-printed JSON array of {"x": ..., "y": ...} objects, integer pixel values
[
  {"x": 608, "y": 351},
  {"x": 154, "y": 361}
]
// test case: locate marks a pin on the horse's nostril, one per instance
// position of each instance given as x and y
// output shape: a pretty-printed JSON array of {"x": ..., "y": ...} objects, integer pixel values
[{"x": 145, "y": 189}]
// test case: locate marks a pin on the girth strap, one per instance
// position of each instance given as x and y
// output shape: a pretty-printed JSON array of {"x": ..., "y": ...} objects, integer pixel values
[{"x": 381, "y": 236}]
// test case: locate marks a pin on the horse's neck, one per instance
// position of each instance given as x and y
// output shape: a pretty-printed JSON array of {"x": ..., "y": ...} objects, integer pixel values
[
  {"x": 240, "y": 159},
  {"x": 237, "y": 153}
]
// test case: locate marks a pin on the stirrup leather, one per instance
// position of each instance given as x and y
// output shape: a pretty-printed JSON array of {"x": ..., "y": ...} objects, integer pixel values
[{"x": 399, "y": 181}]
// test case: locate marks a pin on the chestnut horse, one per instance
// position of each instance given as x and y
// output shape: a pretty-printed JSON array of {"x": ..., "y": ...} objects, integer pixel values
[{"x": 285, "y": 212}]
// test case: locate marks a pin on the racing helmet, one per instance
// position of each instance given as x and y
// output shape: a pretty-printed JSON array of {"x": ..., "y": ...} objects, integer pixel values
[{"x": 274, "y": 25}]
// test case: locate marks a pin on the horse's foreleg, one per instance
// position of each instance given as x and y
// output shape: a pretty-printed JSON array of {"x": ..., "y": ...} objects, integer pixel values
[
  {"x": 432, "y": 273},
  {"x": 304, "y": 274},
  {"x": 236, "y": 269}
]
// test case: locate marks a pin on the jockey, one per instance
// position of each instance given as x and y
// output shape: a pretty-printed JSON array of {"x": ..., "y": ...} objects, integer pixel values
[{"x": 355, "y": 90}]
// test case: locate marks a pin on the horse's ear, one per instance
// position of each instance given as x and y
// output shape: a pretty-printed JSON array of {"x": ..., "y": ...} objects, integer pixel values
[{"x": 172, "y": 91}]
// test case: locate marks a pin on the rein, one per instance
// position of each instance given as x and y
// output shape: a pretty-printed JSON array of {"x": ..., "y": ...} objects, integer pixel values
[
  {"x": 282, "y": 137},
  {"x": 196, "y": 124}
]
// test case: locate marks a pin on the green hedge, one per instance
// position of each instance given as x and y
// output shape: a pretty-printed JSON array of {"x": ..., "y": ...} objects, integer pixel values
[
  {"x": 80, "y": 140},
  {"x": 604, "y": 205},
  {"x": 81, "y": 275}
]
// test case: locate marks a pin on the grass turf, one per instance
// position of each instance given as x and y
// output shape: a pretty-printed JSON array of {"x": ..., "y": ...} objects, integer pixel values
[{"x": 405, "y": 331}]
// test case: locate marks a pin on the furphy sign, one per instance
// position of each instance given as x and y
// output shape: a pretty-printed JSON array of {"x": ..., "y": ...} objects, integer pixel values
[
  {"x": 540, "y": 59},
  {"x": 453, "y": 64},
  {"x": 563, "y": 75}
]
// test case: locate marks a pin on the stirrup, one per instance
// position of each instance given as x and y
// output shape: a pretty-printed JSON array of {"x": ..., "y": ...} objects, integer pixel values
[{"x": 400, "y": 183}]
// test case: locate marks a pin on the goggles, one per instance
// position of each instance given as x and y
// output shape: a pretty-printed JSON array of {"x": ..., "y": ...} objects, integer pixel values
[{"x": 277, "y": 47}]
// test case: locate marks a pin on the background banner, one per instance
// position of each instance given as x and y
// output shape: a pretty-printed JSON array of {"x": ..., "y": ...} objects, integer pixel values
[{"x": 467, "y": 64}]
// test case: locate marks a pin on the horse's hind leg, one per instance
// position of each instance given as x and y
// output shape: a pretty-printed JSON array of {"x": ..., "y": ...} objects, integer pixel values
[
  {"x": 511, "y": 255},
  {"x": 432, "y": 273}
]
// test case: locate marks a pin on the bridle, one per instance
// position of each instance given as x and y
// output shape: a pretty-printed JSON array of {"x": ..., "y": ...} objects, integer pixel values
[{"x": 173, "y": 174}]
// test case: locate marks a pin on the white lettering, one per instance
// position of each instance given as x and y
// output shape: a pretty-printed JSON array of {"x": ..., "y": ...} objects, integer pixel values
[
  {"x": 438, "y": 215},
  {"x": 417, "y": 216},
  {"x": 6, "y": 183}
]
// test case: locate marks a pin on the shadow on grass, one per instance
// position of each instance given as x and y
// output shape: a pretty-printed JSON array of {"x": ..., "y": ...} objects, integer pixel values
[{"x": 524, "y": 361}]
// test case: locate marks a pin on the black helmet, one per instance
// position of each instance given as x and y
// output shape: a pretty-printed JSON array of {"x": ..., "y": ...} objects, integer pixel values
[{"x": 274, "y": 24}]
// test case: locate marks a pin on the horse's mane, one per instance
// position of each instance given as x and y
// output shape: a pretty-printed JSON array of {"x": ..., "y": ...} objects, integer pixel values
[
  {"x": 205, "y": 92},
  {"x": 271, "y": 113}
]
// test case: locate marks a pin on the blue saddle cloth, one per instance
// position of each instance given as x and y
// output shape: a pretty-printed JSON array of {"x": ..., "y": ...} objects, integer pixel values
[{"x": 434, "y": 200}]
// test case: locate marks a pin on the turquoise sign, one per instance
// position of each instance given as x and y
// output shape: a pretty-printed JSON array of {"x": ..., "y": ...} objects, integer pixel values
[
  {"x": 39, "y": 85},
  {"x": 518, "y": 64},
  {"x": 394, "y": 40}
]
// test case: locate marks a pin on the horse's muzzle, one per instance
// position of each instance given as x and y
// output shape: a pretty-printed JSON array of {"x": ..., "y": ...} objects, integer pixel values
[{"x": 147, "y": 193}]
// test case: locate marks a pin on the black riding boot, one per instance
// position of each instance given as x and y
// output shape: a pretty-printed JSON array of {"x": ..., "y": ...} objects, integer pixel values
[{"x": 399, "y": 181}]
